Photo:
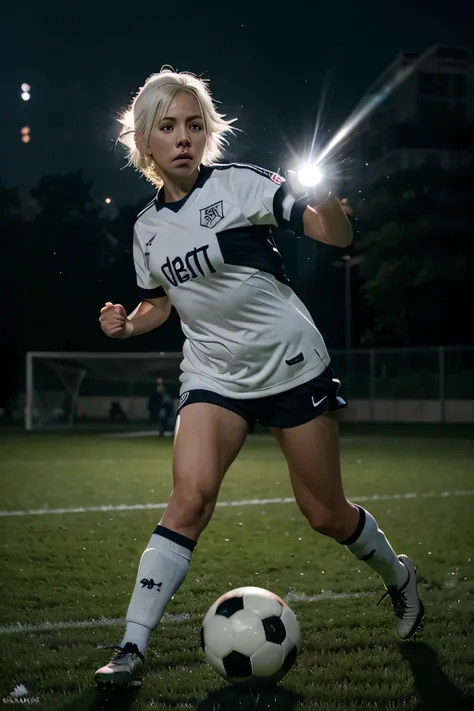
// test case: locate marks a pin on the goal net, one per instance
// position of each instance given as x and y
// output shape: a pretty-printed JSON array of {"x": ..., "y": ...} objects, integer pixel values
[{"x": 73, "y": 389}]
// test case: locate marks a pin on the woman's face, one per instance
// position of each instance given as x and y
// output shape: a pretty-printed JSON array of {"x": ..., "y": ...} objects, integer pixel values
[{"x": 178, "y": 139}]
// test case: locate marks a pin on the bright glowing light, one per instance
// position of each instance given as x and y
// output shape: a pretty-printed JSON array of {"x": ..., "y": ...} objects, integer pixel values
[
  {"x": 310, "y": 175},
  {"x": 324, "y": 151},
  {"x": 108, "y": 200},
  {"x": 25, "y": 129},
  {"x": 25, "y": 138},
  {"x": 25, "y": 87},
  {"x": 25, "y": 96},
  {"x": 364, "y": 110}
]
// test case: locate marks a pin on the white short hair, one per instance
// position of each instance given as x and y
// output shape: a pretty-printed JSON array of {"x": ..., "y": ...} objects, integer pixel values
[{"x": 152, "y": 102}]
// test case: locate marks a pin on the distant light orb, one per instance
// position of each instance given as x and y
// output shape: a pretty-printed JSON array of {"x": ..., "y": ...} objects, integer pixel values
[
  {"x": 108, "y": 200},
  {"x": 25, "y": 87},
  {"x": 310, "y": 175},
  {"x": 25, "y": 96},
  {"x": 25, "y": 138}
]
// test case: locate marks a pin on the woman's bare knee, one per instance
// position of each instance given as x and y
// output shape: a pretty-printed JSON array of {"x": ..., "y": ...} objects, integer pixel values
[
  {"x": 189, "y": 511},
  {"x": 337, "y": 523}
]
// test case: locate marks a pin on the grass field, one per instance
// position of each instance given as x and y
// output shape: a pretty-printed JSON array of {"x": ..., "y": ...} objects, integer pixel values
[{"x": 67, "y": 573}]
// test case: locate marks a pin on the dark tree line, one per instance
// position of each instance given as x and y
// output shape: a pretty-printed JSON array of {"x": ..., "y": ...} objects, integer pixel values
[{"x": 417, "y": 240}]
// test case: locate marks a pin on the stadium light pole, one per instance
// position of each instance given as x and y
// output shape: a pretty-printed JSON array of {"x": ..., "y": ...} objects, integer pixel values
[{"x": 348, "y": 263}]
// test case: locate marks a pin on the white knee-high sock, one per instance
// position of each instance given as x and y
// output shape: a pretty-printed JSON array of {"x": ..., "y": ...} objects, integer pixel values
[
  {"x": 163, "y": 567},
  {"x": 368, "y": 543}
]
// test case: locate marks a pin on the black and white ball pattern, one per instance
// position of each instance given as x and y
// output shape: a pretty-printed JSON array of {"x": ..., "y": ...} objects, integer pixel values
[{"x": 250, "y": 636}]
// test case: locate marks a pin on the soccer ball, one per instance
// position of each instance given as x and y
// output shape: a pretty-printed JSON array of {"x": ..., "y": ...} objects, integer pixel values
[{"x": 250, "y": 636}]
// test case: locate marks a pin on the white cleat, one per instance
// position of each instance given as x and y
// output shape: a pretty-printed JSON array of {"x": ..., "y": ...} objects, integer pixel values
[
  {"x": 124, "y": 670},
  {"x": 407, "y": 606}
]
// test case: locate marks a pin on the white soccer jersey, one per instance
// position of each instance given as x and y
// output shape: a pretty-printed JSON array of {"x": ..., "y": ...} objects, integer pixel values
[{"x": 247, "y": 333}]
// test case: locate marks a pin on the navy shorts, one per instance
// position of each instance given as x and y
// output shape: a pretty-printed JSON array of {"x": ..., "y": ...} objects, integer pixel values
[{"x": 287, "y": 409}]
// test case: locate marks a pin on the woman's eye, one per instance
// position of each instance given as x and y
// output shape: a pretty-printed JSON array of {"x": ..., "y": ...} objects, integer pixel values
[
  {"x": 196, "y": 126},
  {"x": 165, "y": 128}
]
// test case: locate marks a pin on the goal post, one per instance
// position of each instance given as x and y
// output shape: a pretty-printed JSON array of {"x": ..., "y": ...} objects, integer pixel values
[{"x": 66, "y": 389}]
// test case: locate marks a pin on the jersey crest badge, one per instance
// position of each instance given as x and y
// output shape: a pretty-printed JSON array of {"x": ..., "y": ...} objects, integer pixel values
[{"x": 212, "y": 215}]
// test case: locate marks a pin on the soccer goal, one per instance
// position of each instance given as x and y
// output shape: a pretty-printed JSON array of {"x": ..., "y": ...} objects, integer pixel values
[{"x": 73, "y": 389}]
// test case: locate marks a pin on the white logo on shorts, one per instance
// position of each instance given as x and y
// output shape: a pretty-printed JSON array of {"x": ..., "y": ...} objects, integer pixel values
[
  {"x": 319, "y": 401},
  {"x": 183, "y": 399}
]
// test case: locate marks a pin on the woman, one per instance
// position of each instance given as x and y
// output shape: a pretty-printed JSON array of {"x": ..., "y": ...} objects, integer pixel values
[{"x": 252, "y": 352}]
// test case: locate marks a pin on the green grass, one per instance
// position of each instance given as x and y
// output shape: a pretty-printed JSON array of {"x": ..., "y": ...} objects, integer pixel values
[{"x": 81, "y": 566}]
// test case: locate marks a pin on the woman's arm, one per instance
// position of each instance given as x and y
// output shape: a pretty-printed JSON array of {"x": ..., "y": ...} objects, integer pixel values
[
  {"x": 328, "y": 223},
  {"x": 148, "y": 315}
]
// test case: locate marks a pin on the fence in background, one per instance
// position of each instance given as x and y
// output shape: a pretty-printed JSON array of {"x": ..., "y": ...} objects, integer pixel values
[
  {"x": 383, "y": 385},
  {"x": 408, "y": 384}
]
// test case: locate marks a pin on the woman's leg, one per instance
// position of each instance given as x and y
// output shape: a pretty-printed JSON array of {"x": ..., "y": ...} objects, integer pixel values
[
  {"x": 207, "y": 440},
  {"x": 312, "y": 453}
]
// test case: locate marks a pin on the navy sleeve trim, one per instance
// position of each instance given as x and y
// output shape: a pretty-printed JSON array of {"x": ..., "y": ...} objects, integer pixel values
[
  {"x": 296, "y": 220},
  {"x": 156, "y": 293},
  {"x": 288, "y": 210}
]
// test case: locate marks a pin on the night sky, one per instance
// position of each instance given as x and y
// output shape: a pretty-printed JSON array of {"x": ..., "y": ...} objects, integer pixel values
[{"x": 267, "y": 65}]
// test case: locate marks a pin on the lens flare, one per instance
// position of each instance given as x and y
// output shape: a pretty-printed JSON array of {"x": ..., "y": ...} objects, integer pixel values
[
  {"x": 310, "y": 175},
  {"x": 361, "y": 112}
]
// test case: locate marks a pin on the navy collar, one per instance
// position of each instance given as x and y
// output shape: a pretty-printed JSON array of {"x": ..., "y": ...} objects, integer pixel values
[{"x": 205, "y": 173}]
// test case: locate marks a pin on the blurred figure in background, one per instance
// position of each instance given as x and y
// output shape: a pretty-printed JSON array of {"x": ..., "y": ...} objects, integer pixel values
[
  {"x": 117, "y": 413},
  {"x": 160, "y": 406}
]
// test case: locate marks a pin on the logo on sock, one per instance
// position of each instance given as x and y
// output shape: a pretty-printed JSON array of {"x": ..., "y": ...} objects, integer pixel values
[{"x": 150, "y": 584}]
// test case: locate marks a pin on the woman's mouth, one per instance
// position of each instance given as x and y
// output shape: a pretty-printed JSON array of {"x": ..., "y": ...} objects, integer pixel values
[{"x": 182, "y": 158}]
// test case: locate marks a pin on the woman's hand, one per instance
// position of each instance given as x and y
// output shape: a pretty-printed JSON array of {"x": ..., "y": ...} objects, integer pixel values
[{"x": 113, "y": 321}]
